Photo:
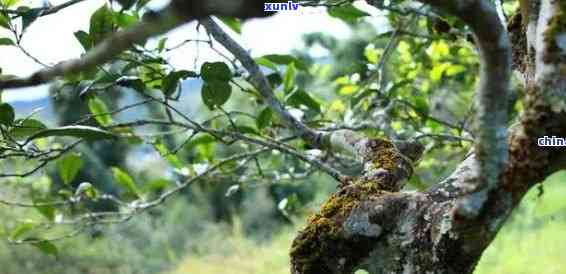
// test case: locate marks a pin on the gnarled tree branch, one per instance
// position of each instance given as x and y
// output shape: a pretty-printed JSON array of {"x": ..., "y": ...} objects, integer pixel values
[{"x": 176, "y": 14}]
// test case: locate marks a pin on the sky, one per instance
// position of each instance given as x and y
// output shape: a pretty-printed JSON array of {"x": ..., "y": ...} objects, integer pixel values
[{"x": 50, "y": 39}]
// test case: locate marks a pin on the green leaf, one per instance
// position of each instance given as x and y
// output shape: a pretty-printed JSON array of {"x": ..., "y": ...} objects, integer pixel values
[
  {"x": 101, "y": 24},
  {"x": 166, "y": 154},
  {"x": 99, "y": 109},
  {"x": 233, "y": 23},
  {"x": 157, "y": 185},
  {"x": 124, "y": 20},
  {"x": 84, "y": 38},
  {"x": 4, "y": 20},
  {"x": 217, "y": 71},
  {"x": 86, "y": 132},
  {"x": 246, "y": 129},
  {"x": 347, "y": 13},
  {"x": 22, "y": 129},
  {"x": 7, "y": 114},
  {"x": 47, "y": 211},
  {"x": 6, "y": 42},
  {"x": 301, "y": 97},
  {"x": 125, "y": 180},
  {"x": 421, "y": 105},
  {"x": 262, "y": 61},
  {"x": 161, "y": 44},
  {"x": 171, "y": 82},
  {"x": 69, "y": 166},
  {"x": 264, "y": 118},
  {"x": 289, "y": 78},
  {"x": 200, "y": 140},
  {"x": 30, "y": 16},
  {"x": 283, "y": 59},
  {"x": 9, "y": 3},
  {"x": 275, "y": 79},
  {"x": 215, "y": 93},
  {"x": 21, "y": 230},
  {"x": 47, "y": 248}
]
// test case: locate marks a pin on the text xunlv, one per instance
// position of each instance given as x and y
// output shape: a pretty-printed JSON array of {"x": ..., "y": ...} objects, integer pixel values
[{"x": 280, "y": 6}]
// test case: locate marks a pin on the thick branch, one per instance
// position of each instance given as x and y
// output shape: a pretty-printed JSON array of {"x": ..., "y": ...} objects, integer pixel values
[
  {"x": 102, "y": 53},
  {"x": 495, "y": 53},
  {"x": 261, "y": 83},
  {"x": 176, "y": 14}
]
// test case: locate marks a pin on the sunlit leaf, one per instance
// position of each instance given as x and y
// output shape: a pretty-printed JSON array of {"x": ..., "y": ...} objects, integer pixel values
[
  {"x": 21, "y": 230},
  {"x": 124, "y": 180},
  {"x": 100, "y": 111},
  {"x": 233, "y": 23},
  {"x": 289, "y": 78}
]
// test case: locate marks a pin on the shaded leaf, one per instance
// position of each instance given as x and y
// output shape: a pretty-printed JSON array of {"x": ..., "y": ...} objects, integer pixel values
[
  {"x": 4, "y": 20},
  {"x": 7, "y": 114},
  {"x": 47, "y": 248},
  {"x": 301, "y": 97},
  {"x": 217, "y": 71},
  {"x": 264, "y": 118},
  {"x": 347, "y": 13},
  {"x": 171, "y": 82},
  {"x": 101, "y": 24},
  {"x": 30, "y": 16},
  {"x": 6, "y": 42},
  {"x": 215, "y": 93},
  {"x": 86, "y": 132},
  {"x": 69, "y": 166},
  {"x": 84, "y": 39},
  {"x": 25, "y": 128},
  {"x": 275, "y": 79}
]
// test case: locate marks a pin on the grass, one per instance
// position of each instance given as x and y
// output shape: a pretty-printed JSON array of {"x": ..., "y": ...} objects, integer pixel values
[
  {"x": 237, "y": 254},
  {"x": 532, "y": 241}
]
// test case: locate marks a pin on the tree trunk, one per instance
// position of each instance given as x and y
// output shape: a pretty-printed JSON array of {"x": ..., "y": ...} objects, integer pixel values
[{"x": 370, "y": 224}]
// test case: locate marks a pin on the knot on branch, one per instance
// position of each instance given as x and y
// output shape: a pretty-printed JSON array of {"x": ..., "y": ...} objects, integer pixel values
[
  {"x": 327, "y": 244},
  {"x": 343, "y": 233},
  {"x": 389, "y": 164}
]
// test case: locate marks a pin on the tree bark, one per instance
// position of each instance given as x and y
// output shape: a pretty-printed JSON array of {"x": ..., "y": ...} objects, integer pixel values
[{"x": 367, "y": 224}]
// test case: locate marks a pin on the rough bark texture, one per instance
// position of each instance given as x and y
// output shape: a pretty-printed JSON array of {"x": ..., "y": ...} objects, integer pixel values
[{"x": 369, "y": 224}]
